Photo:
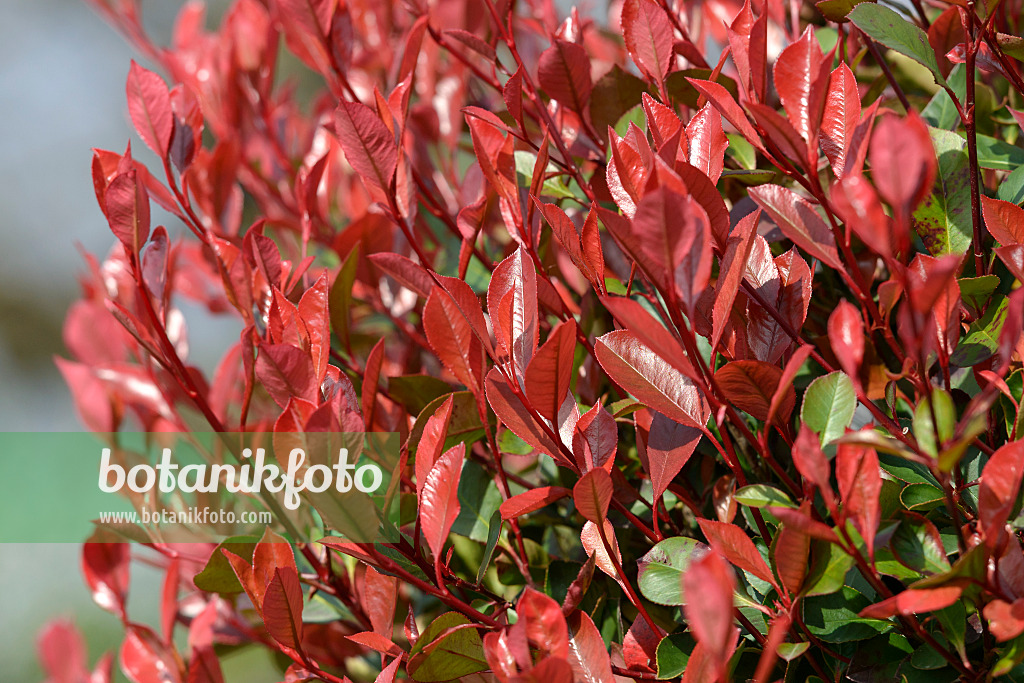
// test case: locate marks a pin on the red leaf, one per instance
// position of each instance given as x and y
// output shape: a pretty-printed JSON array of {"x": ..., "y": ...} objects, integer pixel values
[
  {"x": 453, "y": 340},
  {"x": 587, "y": 654},
  {"x": 286, "y": 371},
  {"x": 127, "y": 207},
  {"x": 856, "y": 202},
  {"x": 512, "y": 93},
  {"x": 860, "y": 485},
  {"x": 532, "y": 500},
  {"x": 663, "y": 124},
  {"x": 204, "y": 667},
  {"x": 312, "y": 309},
  {"x": 563, "y": 72},
  {"x": 730, "y": 274},
  {"x": 903, "y": 161},
  {"x": 377, "y": 642},
  {"x": 789, "y": 553},
  {"x": 724, "y": 103},
  {"x": 647, "y": 31},
  {"x": 511, "y": 411},
  {"x": 439, "y": 500},
  {"x": 550, "y": 371},
  {"x": 516, "y": 327},
  {"x": 379, "y": 597},
  {"x": 272, "y": 553},
  {"x": 651, "y": 379},
  {"x": 812, "y": 463},
  {"x": 735, "y": 545},
  {"x": 371, "y": 376},
  {"x": 1005, "y": 620},
  {"x": 593, "y": 494},
  {"x": 595, "y": 439},
  {"x": 106, "y": 570},
  {"x": 431, "y": 443},
  {"x": 282, "y": 608},
  {"x": 368, "y": 144},
  {"x": 651, "y": 333},
  {"x": 801, "y": 79},
  {"x": 144, "y": 659},
  {"x": 590, "y": 537},
  {"x": 407, "y": 272},
  {"x": 62, "y": 652},
  {"x": 799, "y": 519},
  {"x": 750, "y": 384},
  {"x": 785, "y": 388},
  {"x": 708, "y": 585},
  {"x": 846, "y": 333},
  {"x": 149, "y": 105},
  {"x": 913, "y": 601},
  {"x": 1000, "y": 484},
  {"x": 707, "y": 142},
  {"x": 840, "y": 118},
  {"x": 541, "y": 620},
  {"x": 798, "y": 221},
  {"x": 1004, "y": 220},
  {"x": 669, "y": 446}
]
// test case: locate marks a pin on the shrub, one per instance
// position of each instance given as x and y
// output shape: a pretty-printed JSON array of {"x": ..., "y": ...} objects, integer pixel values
[{"x": 701, "y": 332}]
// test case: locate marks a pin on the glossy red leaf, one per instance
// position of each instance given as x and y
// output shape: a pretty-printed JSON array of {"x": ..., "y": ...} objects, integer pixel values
[
  {"x": 1004, "y": 220},
  {"x": 647, "y": 31},
  {"x": 431, "y": 443},
  {"x": 106, "y": 570},
  {"x": 735, "y": 545},
  {"x": 707, "y": 142},
  {"x": 913, "y": 601},
  {"x": 587, "y": 655},
  {"x": 439, "y": 500},
  {"x": 127, "y": 206},
  {"x": 718, "y": 96},
  {"x": 453, "y": 340},
  {"x": 782, "y": 392},
  {"x": 1005, "y": 619},
  {"x": 860, "y": 486},
  {"x": 593, "y": 494},
  {"x": 144, "y": 659},
  {"x": 790, "y": 557},
  {"x": 513, "y": 414},
  {"x": 286, "y": 372},
  {"x": 563, "y": 71},
  {"x": 798, "y": 221},
  {"x": 902, "y": 160},
  {"x": 1000, "y": 485},
  {"x": 368, "y": 144},
  {"x": 730, "y": 274},
  {"x": 708, "y": 586},
  {"x": 631, "y": 315},
  {"x": 840, "y": 118},
  {"x": 595, "y": 439},
  {"x": 590, "y": 537},
  {"x": 313, "y": 311},
  {"x": 550, "y": 371},
  {"x": 750, "y": 384},
  {"x": 846, "y": 333},
  {"x": 799, "y": 519},
  {"x": 663, "y": 124},
  {"x": 532, "y": 500},
  {"x": 379, "y": 597},
  {"x": 515, "y": 326},
  {"x": 811, "y": 462},
  {"x": 282, "y": 608},
  {"x": 801, "y": 79},
  {"x": 149, "y": 105},
  {"x": 651, "y": 379},
  {"x": 669, "y": 447},
  {"x": 856, "y": 202},
  {"x": 541, "y": 619},
  {"x": 205, "y": 667}
]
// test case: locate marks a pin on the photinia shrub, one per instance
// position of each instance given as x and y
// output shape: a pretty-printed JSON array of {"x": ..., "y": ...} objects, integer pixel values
[{"x": 700, "y": 324}]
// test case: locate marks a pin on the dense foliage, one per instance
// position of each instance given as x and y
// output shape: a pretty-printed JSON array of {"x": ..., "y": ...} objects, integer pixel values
[{"x": 700, "y": 324}]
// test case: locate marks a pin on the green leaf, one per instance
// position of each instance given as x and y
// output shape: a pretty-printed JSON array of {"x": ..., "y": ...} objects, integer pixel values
[
  {"x": 941, "y": 111},
  {"x": 552, "y": 187},
  {"x": 836, "y": 10},
  {"x": 940, "y": 407},
  {"x": 975, "y": 292},
  {"x": 441, "y": 654},
  {"x": 479, "y": 499},
  {"x": 1012, "y": 188},
  {"x": 763, "y": 495},
  {"x": 673, "y": 654},
  {"x": 906, "y": 471},
  {"x": 339, "y": 299},
  {"x": 742, "y": 151},
  {"x": 493, "y": 533},
  {"x": 982, "y": 339},
  {"x": 833, "y": 618},
  {"x": 917, "y": 548},
  {"x": 954, "y": 624},
  {"x": 943, "y": 220},
  {"x": 218, "y": 576},
  {"x": 828, "y": 569},
  {"x": 613, "y": 95},
  {"x": 828, "y": 407},
  {"x": 999, "y": 155},
  {"x": 790, "y": 651},
  {"x": 662, "y": 568},
  {"x": 921, "y": 497},
  {"x": 896, "y": 33},
  {"x": 415, "y": 392}
]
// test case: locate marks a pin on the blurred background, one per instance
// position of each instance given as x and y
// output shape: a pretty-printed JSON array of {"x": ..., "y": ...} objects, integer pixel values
[{"x": 62, "y": 92}]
